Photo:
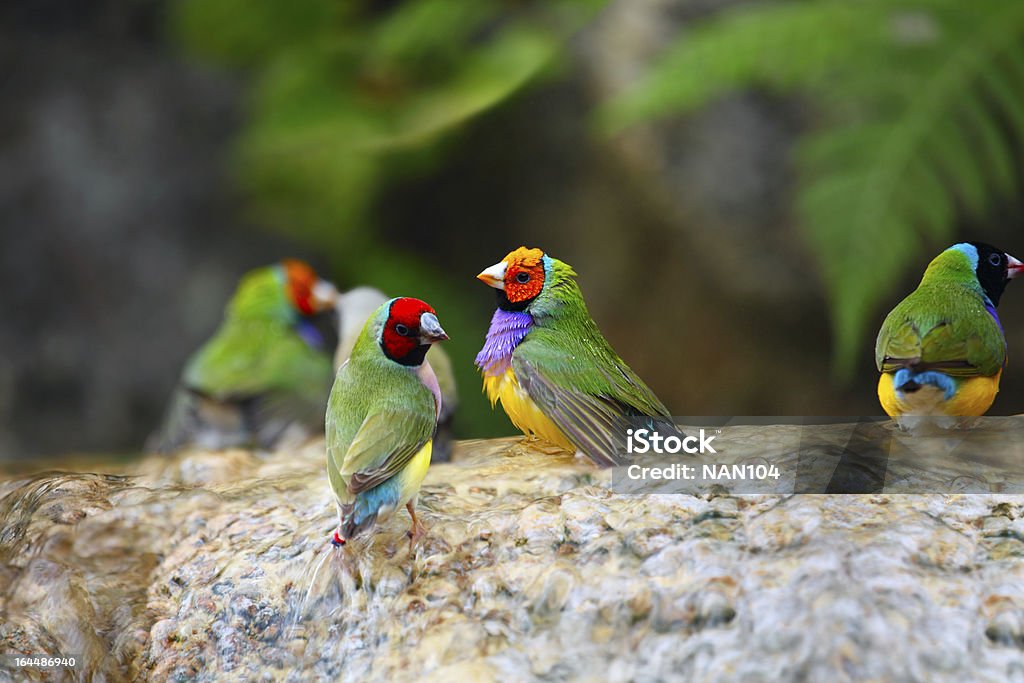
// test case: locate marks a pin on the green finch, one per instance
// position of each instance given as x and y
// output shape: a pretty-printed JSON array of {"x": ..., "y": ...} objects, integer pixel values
[
  {"x": 941, "y": 351},
  {"x": 553, "y": 372},
  {"x": 266, "y": 371},
  {"x": 381, "y": 418},
  {"x": 354, "y": 307}
]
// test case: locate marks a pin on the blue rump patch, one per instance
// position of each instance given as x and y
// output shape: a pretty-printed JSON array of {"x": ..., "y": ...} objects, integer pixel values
[
  {"x": 383, "y": 494},
  {"x": 944, "y": 382}
]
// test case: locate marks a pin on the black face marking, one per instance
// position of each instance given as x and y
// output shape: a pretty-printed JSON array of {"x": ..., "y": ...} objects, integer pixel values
[
  {"x": 506, "y": 305},
  {"x": 992, "y": 270},
  {"x": 414, "y": 357}
]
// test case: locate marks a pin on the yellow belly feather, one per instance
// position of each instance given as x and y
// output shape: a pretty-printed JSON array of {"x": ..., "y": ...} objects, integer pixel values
[
  {"x": 412, "y": 474},
  {"x": 521, "y": 410},
  {"x": 974, "y": 396}
]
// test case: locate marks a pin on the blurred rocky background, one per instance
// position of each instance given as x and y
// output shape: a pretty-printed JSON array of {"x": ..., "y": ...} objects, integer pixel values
[{"x": 745, "y": 188}]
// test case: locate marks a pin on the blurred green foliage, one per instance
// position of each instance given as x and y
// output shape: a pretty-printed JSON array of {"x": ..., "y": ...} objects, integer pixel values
[
  {"x": 921, "y": 115},
  {"x": 919, "y": 103},
  {"x": 347, "y": 97}
]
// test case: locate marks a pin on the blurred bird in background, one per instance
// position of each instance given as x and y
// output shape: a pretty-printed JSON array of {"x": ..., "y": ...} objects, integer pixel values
[
  {"x": 267, "y": 371},
  {"x": 554, "y": 373},
  {"x": 942, "y": 350}
]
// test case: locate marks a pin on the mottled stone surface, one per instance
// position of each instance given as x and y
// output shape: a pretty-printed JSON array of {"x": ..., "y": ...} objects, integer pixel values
[{"x": 216, "y": 566}]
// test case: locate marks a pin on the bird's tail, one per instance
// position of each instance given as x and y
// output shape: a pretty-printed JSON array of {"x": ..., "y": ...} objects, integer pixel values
[{"x": 356, "y": 518}]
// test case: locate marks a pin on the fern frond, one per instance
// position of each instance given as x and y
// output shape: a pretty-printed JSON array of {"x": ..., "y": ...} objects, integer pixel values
[
  {"x": 923, "y": 110},
  {"x": 775, "y": 45},
  {"x": 486, "y": 79},
  {"x": 942, "y": 141},
  {"x": 348, "y": 95}
]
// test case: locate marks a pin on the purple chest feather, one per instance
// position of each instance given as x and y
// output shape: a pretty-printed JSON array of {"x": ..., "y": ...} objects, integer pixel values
[
  {"x": 507, "y": 329},
  {"x": 992, "y": 310},
  {"x": 313, "y": 337}
]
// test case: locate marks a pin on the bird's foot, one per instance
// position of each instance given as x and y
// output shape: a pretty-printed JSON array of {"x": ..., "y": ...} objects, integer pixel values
[
  {"x": 337, "y": 541},
  {"x": 417, "y": 531},
  {"x": 415, "y": 534}
]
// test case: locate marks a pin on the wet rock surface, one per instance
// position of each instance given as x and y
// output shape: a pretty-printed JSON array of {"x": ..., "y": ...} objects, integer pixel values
[{"x": 217, "y": 566}]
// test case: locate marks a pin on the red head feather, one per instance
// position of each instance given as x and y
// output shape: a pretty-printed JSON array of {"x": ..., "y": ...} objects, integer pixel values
[
  {"x": 400, "y": 338},
  {"x": 300, "y": 281}
]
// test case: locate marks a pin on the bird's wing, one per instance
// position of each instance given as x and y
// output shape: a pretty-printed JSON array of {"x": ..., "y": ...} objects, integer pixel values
[
  {"x": 384, "y": 444},
  {"x": 898, "y": 345},
  {"x": 965, "y": 348},
  {"x": 275, "y": 375},
  {"x": 590, "y": 397},
  {"x": 241, "y": 360},
  {"x": 959, "y": 346}
]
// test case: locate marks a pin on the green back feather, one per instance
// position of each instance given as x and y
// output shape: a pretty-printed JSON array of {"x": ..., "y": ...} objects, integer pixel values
[
  {"x": 379, "y": 415},
  {"x": 943, "y": 324},
  {"x": 571, "y": 372},
  {"x": 262, "y": 295},
  {"x": 567, "y": 346}
]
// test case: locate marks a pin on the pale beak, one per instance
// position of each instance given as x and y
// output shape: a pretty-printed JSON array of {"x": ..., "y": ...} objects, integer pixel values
[
  {"x": 430, "y": 329},
  {"x": 1015, "y": 267},
  {"x": 324, "y": 295},
  {"x": 494, "y": 276}
]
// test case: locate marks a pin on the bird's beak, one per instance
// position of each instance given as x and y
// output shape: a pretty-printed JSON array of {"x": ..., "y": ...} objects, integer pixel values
[
  {"x": 324, "y": 295},
  {"x": 494, "y": 276},
  {"x": 1014, "y": 267},
  {"x": 430, "y": 329}
]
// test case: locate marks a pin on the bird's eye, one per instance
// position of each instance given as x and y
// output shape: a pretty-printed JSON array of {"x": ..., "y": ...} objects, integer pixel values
[
  {"x": 995, "y": 259},
  {"x": 522, "y": 277},
  {"x": 402, "y": 329}
]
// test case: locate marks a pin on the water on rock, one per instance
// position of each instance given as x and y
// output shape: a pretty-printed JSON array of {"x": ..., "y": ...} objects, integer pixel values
[{"x": 217, "y": 566}]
